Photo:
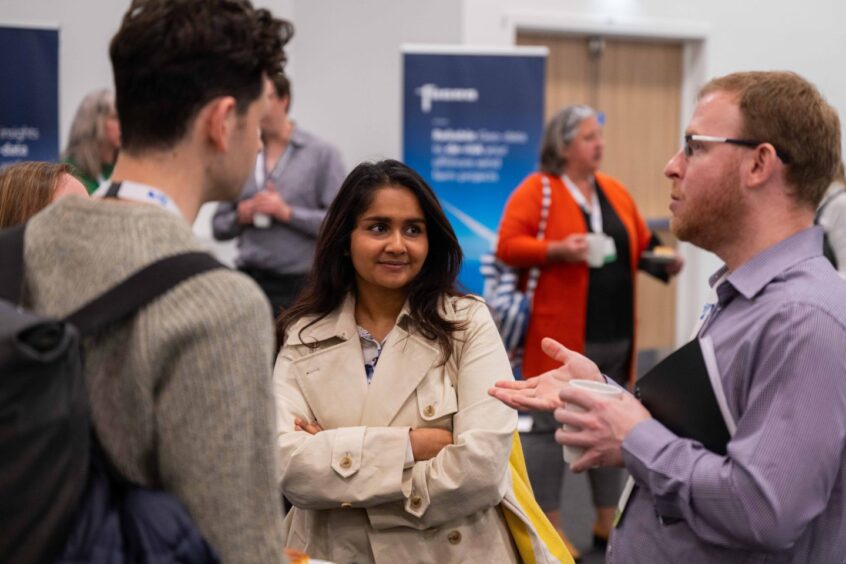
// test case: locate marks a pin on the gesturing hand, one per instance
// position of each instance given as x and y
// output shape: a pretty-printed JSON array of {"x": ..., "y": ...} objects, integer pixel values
[{"x": 541, "y": 392}]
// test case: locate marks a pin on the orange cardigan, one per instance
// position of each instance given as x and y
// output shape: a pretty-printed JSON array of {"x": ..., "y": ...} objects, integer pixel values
[{"x": 559, "y": 309}]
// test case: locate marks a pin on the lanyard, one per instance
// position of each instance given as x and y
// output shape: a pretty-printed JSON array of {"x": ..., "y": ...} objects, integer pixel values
[
  {"x": 140, "y": 193},
  {"x": 709, "y": 308},
  {"x": 592, "y": 209},
  {"x": 263, "y": 175}
]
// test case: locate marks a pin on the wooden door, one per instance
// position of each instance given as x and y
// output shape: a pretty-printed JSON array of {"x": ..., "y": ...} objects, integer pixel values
[{"x": 637, "y": 87}]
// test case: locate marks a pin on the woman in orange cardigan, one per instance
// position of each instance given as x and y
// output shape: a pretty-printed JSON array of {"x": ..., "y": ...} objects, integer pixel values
[{"x": 588, "y": 309}]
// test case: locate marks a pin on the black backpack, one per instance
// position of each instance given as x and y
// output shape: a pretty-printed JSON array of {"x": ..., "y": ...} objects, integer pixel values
[{"x": 60, "y": 499}]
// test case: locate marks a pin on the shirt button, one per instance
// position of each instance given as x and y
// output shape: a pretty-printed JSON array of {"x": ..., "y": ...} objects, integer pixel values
[
  {"x": 346, "y": 462},
  {"x": 346, "y": 505},
  {"x": 429, "y": 410},
  {"x": 416, "y": 501},
  {"x": 454, "y": 537}
]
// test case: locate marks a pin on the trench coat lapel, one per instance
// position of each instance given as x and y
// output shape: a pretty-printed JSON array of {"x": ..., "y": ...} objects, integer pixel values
[
  {"x": 405, "y": 360},
  {"x": 332, "y": 378}
]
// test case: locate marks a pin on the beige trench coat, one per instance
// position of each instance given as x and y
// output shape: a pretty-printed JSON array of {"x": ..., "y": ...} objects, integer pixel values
[{"x": 353, "y": 499}]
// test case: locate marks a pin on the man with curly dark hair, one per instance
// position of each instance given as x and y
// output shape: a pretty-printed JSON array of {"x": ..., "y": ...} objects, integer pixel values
[{"x": 180, "y": 393}]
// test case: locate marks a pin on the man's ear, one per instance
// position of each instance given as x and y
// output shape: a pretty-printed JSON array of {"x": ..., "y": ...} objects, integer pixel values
[
  {"x": 287, "y": 101},
  {"x": 218, "y": 119},
  {"x": 764, "y": 163}
]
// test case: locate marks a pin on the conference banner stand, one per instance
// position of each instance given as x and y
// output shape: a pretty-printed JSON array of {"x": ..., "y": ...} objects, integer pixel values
[
  {"x": 472, "y": 126},
  {"x": 29, "y": 95}
]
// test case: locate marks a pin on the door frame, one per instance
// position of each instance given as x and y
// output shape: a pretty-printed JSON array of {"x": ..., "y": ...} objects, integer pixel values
[{"x": 691, "y": 291}]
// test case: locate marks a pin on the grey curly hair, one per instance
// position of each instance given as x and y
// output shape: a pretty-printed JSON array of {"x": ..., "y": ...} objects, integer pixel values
[
  {"x": 87, "y": 132},
  {"x": 559, "y": 132}
]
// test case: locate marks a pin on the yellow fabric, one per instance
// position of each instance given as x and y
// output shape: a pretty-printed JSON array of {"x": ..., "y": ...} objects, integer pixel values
[{"x": 526, "y": 498}]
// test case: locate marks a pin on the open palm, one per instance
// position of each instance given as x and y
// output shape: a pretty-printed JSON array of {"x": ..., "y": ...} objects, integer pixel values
[{"x": 541, "y": 392}]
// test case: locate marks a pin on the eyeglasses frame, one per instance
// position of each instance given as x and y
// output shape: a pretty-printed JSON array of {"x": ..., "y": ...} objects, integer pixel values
[{"x": 742, "y": 142}]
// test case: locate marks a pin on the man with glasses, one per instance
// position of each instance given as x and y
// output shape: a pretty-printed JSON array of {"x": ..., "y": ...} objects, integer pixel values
[{"x": 760, "y": 152}]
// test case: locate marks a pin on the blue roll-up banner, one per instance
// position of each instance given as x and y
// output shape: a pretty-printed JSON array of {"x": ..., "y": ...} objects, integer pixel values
[
  {"x": 472, "y": 126},
  {"x": 29, "y": 94}
]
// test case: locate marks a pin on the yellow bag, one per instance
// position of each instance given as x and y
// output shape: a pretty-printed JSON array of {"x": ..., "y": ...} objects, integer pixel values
[{"x": 536, "y": 539}]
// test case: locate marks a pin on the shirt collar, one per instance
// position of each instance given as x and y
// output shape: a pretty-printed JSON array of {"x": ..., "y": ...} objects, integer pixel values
[
  {"x": 763, "y": 268},
  {"x": 298, "y": 138},
  {"x": 339, "y": 324}
]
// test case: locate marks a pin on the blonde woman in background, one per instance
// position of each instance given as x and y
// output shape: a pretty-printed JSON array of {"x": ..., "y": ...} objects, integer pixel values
[
  {"x": 94, "y": 139},
  {"x": 27, "y": 188}
]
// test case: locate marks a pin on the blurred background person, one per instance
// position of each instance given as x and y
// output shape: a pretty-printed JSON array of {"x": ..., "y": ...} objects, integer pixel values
[
  {"x": 390, "y": 448},
  {"x": 283, "y": 203},
  {"x": 590, "y": 309},
  {"x": 831, "y": 215},
  {"x": 28, "y": 187},
  {"x": 94, "y": 139}
]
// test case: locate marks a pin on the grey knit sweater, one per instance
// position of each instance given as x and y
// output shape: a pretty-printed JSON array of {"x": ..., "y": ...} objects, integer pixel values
[{"x": 181, "y": 394}]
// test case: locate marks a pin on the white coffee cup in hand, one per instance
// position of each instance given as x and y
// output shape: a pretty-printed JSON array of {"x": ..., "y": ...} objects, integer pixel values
[
  {"x": 595, "y": 249},
  {"x": 261, "y": 220},
  {"x": 572, "y": 454}
]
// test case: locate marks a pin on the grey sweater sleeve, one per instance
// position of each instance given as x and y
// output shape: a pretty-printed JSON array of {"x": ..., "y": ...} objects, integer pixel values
[{"x": 215, "y": 415}]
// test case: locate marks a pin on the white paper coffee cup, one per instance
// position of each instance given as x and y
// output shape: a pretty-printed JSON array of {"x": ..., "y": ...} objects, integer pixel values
[
  {"x": 572, "y": 454},
  {"x": 595, "y": 249},
  {"x": 261, "y": 220}
]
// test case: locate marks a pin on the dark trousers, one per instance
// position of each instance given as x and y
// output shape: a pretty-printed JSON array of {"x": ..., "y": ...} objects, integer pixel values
[{"x": 281, "y": 289}]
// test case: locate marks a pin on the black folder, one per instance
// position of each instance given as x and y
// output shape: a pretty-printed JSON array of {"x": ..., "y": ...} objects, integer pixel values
[{"x": 678, "y": 393}]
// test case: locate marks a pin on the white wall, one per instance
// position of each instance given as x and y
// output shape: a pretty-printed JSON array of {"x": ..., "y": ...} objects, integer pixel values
[{"x": 346, "y": 74}]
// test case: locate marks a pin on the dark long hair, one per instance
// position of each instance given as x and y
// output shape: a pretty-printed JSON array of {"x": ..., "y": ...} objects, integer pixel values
[{"x": 332, "y": 274}]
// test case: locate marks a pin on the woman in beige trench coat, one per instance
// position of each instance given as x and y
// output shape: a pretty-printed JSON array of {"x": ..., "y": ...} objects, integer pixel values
[{"x": 390, "y": 448}]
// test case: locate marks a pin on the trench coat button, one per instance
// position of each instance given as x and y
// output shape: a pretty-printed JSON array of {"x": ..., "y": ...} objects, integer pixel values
[
  {"x": 429, "y": 410},
  {"x": 346, "y": 505},
  {"x": 346, "y": 462},
  {"x": 416, "y": 501},
  {"x": 454, "y": 537}
]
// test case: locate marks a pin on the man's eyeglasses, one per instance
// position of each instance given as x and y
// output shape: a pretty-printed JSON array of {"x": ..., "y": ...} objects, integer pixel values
[{"x": 688, "y": 150}]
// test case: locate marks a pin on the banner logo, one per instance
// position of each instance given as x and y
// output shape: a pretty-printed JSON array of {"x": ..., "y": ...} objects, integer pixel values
[{"x": 431, "y": 93}]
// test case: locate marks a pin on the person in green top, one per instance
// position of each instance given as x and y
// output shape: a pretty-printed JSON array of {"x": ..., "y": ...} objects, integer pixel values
[{"x": 94, "y": 139}]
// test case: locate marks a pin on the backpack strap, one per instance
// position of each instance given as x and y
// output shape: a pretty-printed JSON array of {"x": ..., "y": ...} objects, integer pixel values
[
  {"x": 139, "y": 289},
  {"x": 546, "y": 199},
  {"x": 120, "y": 301},
  {"x": 11, "y": 257}
]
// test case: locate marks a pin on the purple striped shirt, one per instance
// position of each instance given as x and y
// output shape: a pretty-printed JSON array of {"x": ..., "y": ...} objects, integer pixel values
[{"x": 779, "y": 333}]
